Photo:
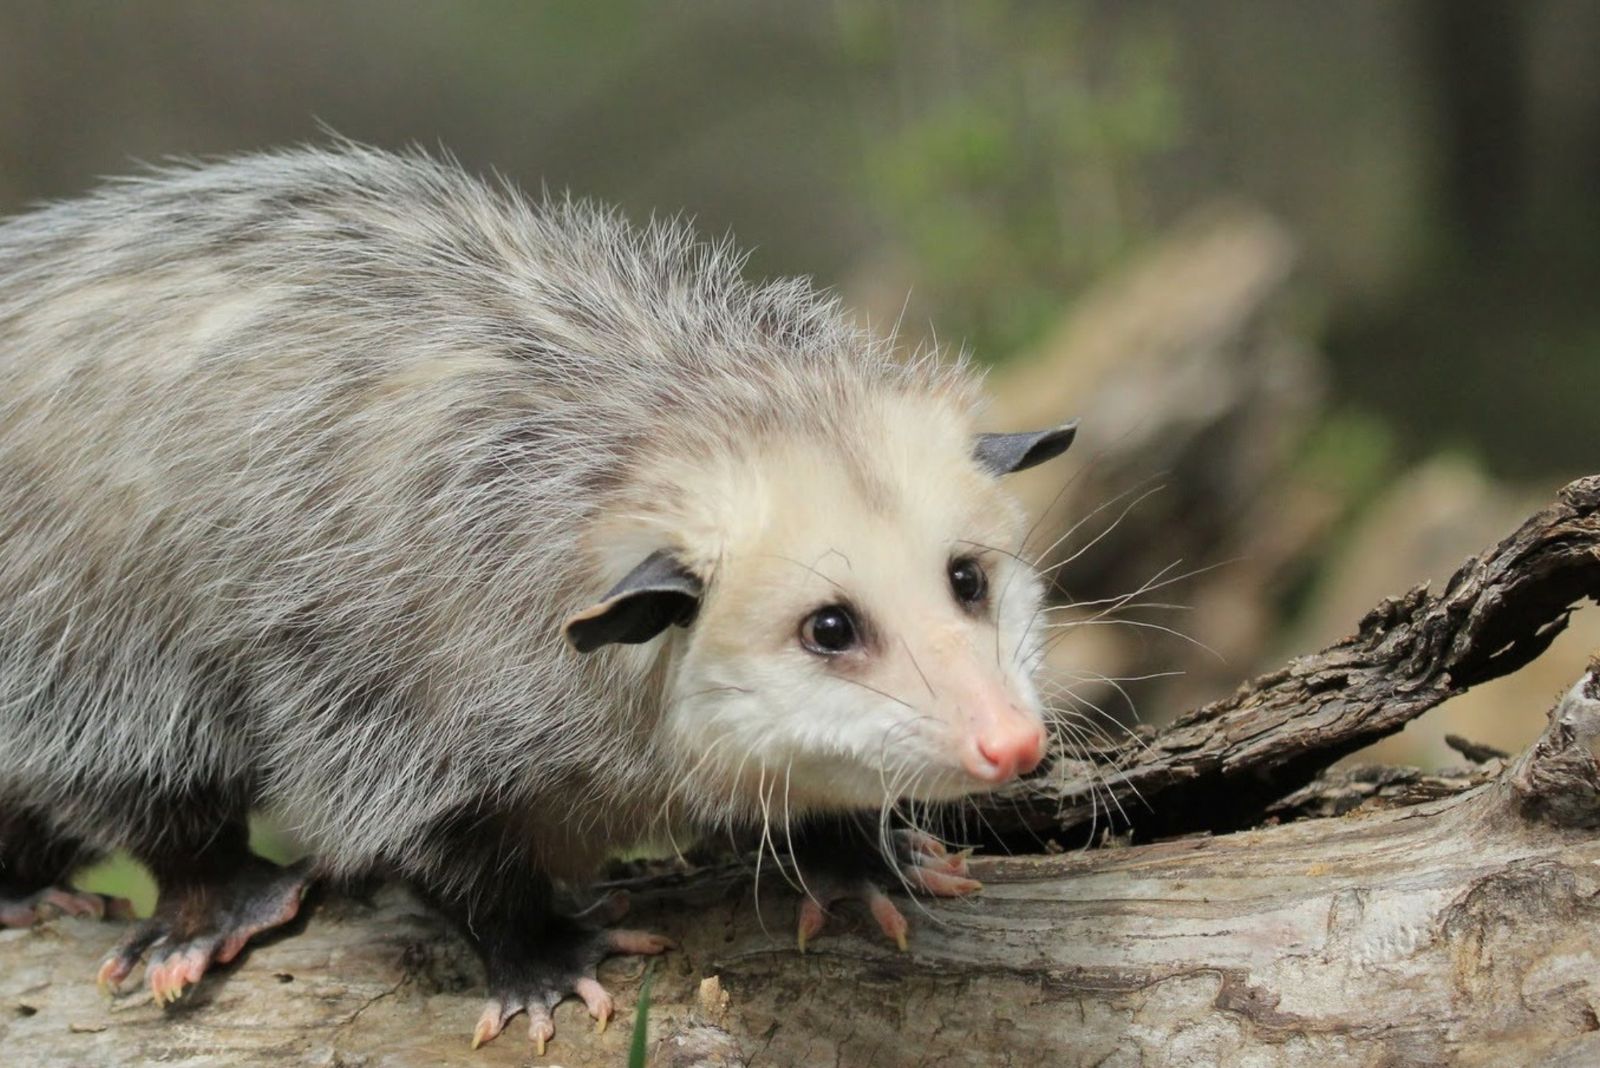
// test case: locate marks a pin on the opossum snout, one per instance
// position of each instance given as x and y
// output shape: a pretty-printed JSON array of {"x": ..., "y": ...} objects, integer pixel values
[{"x": 1004, "y": 749}]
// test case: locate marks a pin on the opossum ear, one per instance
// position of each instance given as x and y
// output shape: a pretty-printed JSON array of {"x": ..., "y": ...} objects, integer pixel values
[
  {"x": 1001, "y": 454},
  {"x": 650, "y": 598}
]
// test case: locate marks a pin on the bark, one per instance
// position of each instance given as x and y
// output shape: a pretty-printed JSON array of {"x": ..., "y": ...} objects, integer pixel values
[
  {"x": 1217, "y": 768},
  {"x": 1445, "y": 919}
]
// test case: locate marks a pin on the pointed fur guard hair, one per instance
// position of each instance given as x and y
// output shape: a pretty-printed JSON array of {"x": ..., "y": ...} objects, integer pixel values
[
  {"x": 649, "y": 599},
  {"x": 1001, "y": 454}
]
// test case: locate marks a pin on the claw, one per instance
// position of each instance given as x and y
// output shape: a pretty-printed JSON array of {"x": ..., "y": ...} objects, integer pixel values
[
  {"x": 810, "y": 923},
  {"x": 171, "y": 977},
  {"x": 111, "y": 973},
  {"x": 890, "y": 921},
  {"x": 541, "y": 1028},
  {"x": 922, "y": 842},
  {"x": 949, "y": 864},
  {"x": 490, "y": 1024},
  {"x": 943, "y": 884}
]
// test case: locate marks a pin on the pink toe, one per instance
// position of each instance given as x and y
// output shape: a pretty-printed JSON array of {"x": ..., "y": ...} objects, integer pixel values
[
  {"x": 195, "y": 963},
  {"x": 942, "y": 884},
  {"x": 541, "y": 1028},
  {"x": 595, "y": 998},
  {"x": 950, "y": 864},
  {"x": 156, "y": 978},
  {"x": 626, "y": 941},
  {"x": 232, "y": 947},
  {"x": 71, "y": 904},
  {"x": 112, "y": 972},
  {"x": 17, "y": 916},
  {"x": 890, "y": 921},
  {"x": 811, "y": 921}
]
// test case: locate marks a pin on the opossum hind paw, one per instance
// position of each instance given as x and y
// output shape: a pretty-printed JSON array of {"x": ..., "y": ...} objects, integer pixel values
[
  {"x": 55, "y": 901},
  {"x": 536, "y": 988},
  {"x": 203, "y": 924}
]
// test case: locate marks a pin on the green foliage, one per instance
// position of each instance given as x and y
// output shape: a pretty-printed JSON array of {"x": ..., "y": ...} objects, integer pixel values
[
  {"x": 1351, "y": 452},
  {"x": 121, "y": 876},
  {"x": 1017, "y": 173}
]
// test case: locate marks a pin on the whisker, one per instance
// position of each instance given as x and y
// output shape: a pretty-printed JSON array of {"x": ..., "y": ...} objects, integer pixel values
[{"x": 1138, "y": 623}]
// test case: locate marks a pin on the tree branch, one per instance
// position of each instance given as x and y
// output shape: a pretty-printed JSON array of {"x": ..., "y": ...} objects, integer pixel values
[{"x": 1219, "y": 767}]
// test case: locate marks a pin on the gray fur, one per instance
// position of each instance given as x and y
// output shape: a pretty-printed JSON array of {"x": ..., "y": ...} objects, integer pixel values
[{"x": 297, "y": 456}]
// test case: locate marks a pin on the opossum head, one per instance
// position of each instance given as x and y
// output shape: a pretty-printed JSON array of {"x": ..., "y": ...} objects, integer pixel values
[{"x": 845, "y": 615}]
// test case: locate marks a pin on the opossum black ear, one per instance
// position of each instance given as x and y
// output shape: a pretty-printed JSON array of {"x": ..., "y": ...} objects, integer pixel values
[
  {"x": 1001, "y": 454},
  {"x": 649, "y": 599}
]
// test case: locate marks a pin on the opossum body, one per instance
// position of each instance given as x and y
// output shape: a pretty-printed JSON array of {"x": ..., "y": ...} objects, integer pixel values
[{"x": 472, "y": 540}]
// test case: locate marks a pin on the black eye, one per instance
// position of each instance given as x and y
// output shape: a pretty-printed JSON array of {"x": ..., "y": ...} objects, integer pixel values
[
  {"x": 829, "y": 631},
  {"x": 967, "y": 581}
]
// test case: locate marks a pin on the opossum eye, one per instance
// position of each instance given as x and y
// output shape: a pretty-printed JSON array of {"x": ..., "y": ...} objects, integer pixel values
[
  {"x": 967, "y": 581},
  {"x": 829, "y": 631}
]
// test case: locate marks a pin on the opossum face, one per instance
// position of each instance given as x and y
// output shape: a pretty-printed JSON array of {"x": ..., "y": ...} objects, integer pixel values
[{"x": 862, "y": 626}]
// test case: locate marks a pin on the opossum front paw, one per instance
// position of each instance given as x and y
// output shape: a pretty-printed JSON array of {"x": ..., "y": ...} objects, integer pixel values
[
  {"x": 205, "y": 923},
  {"x": 55, "y": 901},
  {"x": 564, "y": 963},
  {"x": 922, "y": 863}
]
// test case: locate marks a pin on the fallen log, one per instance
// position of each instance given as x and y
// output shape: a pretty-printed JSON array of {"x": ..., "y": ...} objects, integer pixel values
[{"x": 1461, "y": 929}]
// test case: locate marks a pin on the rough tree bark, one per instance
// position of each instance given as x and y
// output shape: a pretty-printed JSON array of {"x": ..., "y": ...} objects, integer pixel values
[
  {"x": 1215, "y": 768},
  {"x": 1458, "y": 929}
]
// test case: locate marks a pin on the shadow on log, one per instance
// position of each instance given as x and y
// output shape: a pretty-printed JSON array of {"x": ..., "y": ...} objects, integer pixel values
[{"x": 1461, "y": 929}]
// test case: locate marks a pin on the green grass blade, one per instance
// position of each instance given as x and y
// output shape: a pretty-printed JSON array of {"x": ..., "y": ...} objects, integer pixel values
[{"x": 641, "y": 1021}]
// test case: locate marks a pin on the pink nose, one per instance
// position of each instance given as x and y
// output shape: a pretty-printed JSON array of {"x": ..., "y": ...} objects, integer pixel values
[{"x": 1006, "y": 750}]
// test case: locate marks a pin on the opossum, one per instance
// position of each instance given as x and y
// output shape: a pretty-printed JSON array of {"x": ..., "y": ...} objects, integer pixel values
[{"x": 474, "y": 538}]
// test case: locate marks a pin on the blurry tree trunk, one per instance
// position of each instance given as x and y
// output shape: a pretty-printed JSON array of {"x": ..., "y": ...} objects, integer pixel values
[
  {"x": 1193, "y": 399},
  {"x": 1474, "y": 50},
  {"x": 1457, "y": 929}
]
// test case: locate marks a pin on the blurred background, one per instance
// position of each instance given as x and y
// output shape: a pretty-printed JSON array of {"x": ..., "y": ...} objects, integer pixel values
[{"x": 1320, "y": 279}]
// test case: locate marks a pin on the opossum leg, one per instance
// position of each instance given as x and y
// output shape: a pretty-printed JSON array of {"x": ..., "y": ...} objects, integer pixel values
[
  {"x": 208, "y": 909},
  {"x": 533, "y": 974},
  {"x": 35, "y": 862},
  {"x": 536, "y": 956},
  {"x": 839, "y": 859}
]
